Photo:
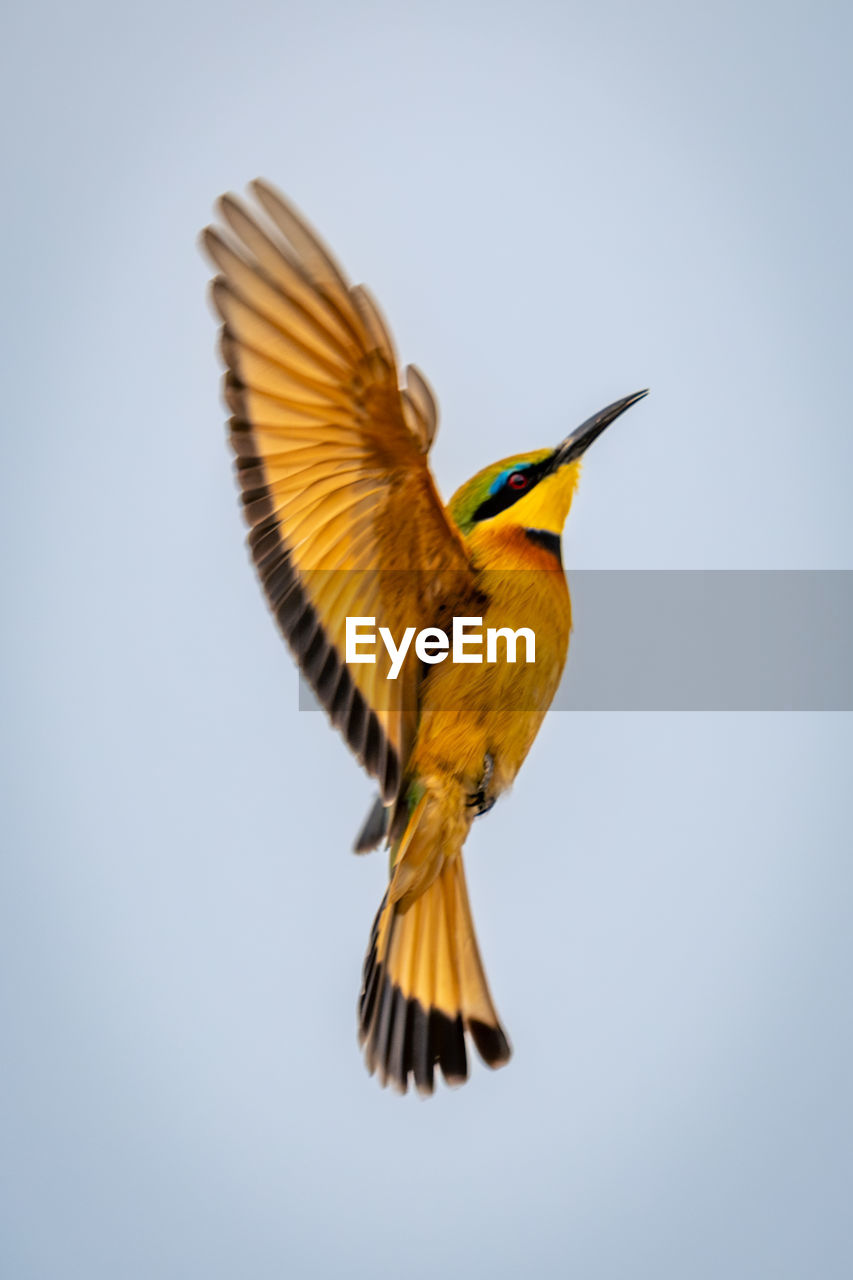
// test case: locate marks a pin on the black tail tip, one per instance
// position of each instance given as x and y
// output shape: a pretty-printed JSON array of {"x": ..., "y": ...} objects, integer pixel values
[
  {"x": 403, "y": 1041},
  {"x": 491, "y": 1042}
]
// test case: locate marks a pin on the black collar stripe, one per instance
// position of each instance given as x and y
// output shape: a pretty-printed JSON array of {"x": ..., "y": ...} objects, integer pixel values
[{"x": 550, "y": 541}]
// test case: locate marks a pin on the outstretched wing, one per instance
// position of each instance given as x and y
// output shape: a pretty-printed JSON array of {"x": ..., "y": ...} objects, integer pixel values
[{"x": 331, "y": 457}]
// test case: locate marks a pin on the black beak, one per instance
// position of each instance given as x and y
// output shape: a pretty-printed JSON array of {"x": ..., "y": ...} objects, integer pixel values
[{"x": 579, "y": 441}]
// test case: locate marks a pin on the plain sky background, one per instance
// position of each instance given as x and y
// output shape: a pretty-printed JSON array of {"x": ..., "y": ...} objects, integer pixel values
[{"x": 555, "y": 204}]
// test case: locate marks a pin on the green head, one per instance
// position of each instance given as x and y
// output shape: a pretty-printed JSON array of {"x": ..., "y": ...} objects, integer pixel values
[{"x": 532, "y": 490}]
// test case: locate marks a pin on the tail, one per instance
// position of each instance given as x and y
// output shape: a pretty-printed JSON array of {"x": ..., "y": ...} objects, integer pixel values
[{"x": 424, "y": 987}]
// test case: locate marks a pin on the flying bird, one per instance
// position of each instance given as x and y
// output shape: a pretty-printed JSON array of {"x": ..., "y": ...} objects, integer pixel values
[{"x": 332, "y": 446}]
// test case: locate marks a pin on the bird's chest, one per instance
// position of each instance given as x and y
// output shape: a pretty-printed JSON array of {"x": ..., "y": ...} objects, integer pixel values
[{"x": 493, "y": 707}]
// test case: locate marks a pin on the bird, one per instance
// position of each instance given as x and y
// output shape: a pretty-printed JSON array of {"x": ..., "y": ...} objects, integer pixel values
[{"x": 331, "y": 441}]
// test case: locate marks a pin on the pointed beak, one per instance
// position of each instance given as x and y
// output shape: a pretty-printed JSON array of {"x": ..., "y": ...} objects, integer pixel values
[{"x": 579, "y": 441}]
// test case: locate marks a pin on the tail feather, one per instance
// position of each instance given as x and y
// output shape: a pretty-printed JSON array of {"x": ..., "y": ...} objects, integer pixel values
[
  {"x": 481, "y": 1020},
  {"x": 424, "y": 987}
]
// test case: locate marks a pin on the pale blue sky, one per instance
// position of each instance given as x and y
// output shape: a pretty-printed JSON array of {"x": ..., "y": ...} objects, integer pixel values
[{"x": 555, "y": 204}]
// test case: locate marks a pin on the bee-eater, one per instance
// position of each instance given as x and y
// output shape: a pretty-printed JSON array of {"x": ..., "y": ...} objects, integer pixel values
[{"x": 331, "y": 449}]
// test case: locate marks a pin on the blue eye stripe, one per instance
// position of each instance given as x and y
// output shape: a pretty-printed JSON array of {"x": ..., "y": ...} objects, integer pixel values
[{"x": 501, "y": 479}]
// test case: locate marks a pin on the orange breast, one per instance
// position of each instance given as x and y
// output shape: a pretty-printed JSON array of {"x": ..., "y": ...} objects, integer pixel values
[{"x": 471, "y": 710}]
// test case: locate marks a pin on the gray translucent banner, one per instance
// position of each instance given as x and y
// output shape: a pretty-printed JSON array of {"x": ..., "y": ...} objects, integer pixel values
[{"x": 749, "y": 640}]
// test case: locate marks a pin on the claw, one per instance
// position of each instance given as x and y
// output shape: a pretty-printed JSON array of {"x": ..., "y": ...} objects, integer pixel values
[{"x": 479, "y": 800}]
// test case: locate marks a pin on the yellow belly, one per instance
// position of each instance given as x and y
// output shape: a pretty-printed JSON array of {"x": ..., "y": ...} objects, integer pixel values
[{"x": 468, "y": 711}]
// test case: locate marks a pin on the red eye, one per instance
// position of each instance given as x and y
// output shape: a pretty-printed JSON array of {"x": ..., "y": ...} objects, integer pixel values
[{"x": 517, "y": 481}]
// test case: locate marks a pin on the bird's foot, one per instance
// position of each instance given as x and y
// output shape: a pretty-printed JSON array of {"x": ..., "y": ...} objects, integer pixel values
[{"x": 479, "y": 800}]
